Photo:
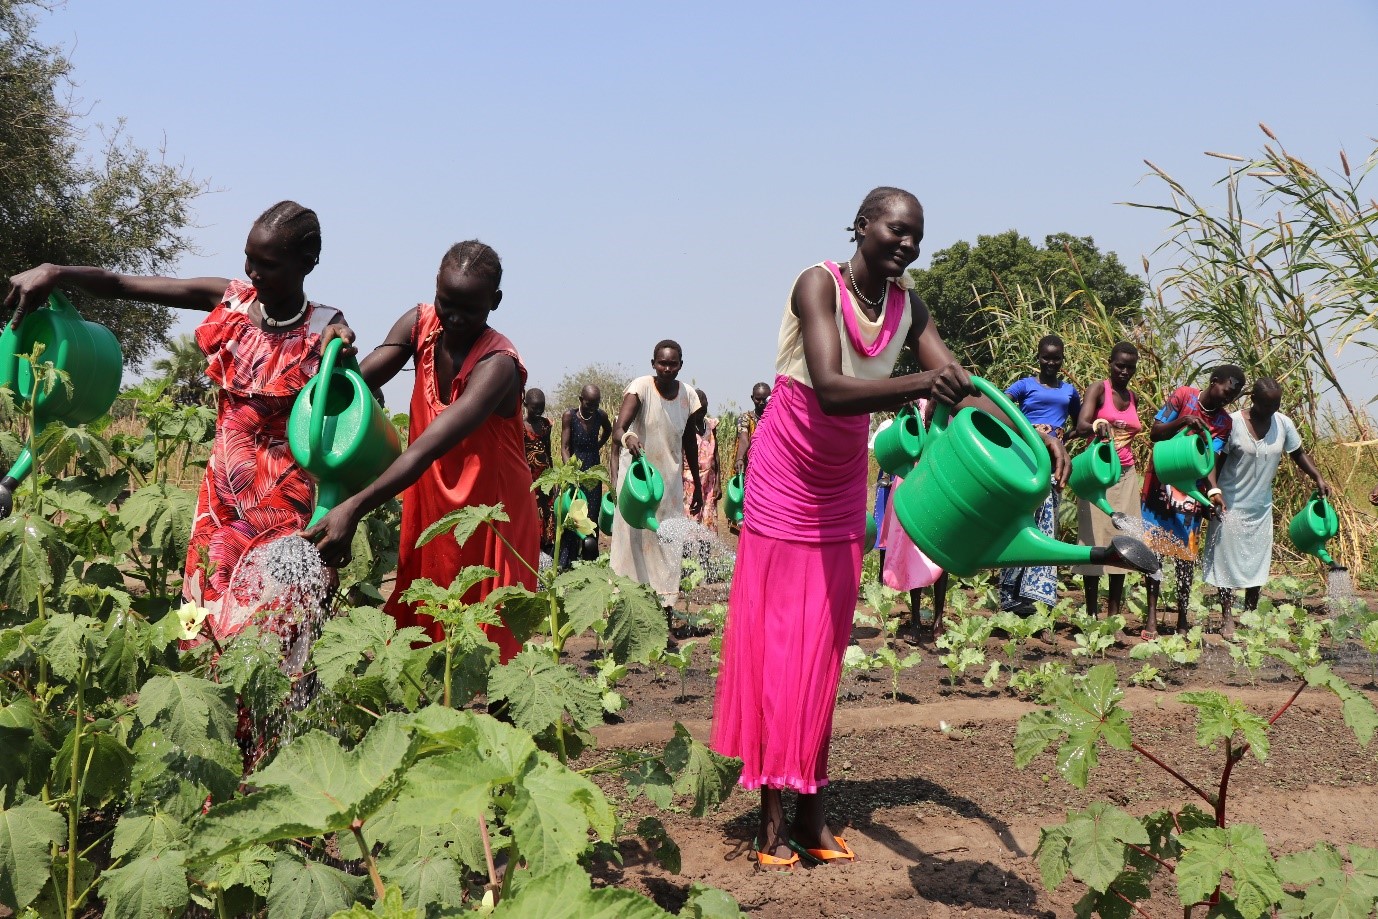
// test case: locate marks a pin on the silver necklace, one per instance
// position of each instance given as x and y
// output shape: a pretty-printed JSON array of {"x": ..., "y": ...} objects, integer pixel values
[
  {"x": 279, "y": 323},
  {"x": 873, "y": 304}
]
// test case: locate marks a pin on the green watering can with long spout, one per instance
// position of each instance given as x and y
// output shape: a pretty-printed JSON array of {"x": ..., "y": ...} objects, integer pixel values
[
  {"x": 1182, "y": 461},
  {"x": 1094, "y": 470},
  {"x": 1313, "y": 526},
  {"x": 969, "y": 502},
  {"x": 607, "y": 513},
  {"x": 639, "y": 497},
  {"x": 734, "y": 498},
  {"x": 339, "y": 433},
  {"x": 898, "y": 446},
  {"x": 87, "y": 352}
]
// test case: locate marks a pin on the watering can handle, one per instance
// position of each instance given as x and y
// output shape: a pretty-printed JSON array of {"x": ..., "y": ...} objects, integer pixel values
[
  {"x": 1043, "y": 464},
  {"x": 319, "y": 394}
]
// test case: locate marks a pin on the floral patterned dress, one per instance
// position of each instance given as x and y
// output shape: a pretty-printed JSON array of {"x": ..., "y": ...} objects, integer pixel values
[{"x": 253, "y": 491}]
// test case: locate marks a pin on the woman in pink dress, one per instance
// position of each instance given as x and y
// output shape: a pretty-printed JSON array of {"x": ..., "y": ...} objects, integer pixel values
[
  {"x": 263, "y": 341},
  {"x": 799, "y": 560},
  {"x": 707, "y": 433}
]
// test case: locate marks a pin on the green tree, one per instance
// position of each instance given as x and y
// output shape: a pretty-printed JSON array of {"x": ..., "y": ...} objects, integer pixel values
[
  {"x": 611, "y": 379},
  {"x": 1007, "y": 267},
  {"x": 123, "y": 209},
  {"x": 184, "y": 369}
]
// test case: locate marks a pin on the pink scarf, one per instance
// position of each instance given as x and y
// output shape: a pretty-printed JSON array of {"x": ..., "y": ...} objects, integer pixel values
[{"x": 890, "y": 314}]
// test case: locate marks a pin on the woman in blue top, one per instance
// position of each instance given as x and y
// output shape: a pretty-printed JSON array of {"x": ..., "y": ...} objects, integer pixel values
[{"x": 1048, "y": 401}]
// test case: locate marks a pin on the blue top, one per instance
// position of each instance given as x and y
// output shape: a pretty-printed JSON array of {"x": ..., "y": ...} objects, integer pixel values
[
  {"x": 1186, "y": 400},
  {"x": 1050, "y": 405}
]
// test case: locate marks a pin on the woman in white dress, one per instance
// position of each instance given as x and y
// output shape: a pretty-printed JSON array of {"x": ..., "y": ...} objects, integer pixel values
[{"x": 1239, "y": 544}]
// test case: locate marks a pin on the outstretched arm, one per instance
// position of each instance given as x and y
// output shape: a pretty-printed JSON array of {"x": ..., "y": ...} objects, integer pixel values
[
  {"x": 30, "y": 289},
  {"x": 630, "y": 406},
  {"x": 495, "y": 382},
  {"x": 1304, "y": 463},
  {"x": 392, "y": 355},
  {"x": 1090, "y": 407}
]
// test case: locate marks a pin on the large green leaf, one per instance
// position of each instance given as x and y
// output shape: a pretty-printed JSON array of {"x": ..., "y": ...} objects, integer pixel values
[
  {"x": 552, "y": 811},
  {"x": 1240, "y": 851},
  {"x": 33, "y": 558},
  {"x": 392, "y": 906},
  {"x": 310, "y": 890},
  {"x": 27, "y": 833},
  {"x": 636, "y": 627},
  {"x": 1093, "y": 843},
  {"x": 153, "y": 830},
  {"x": 158, "y": 518},
  {"x": 106, "y": 776},
  {"x": 364, "y": 636},
  {"x": 1355, "y": 707},
  {"x": 188, "y": 710},
  {"x": 252, "y": 665},
  {"x": 483, "y": 735},
  {"x": 154, "y": 884},
  {"x": 539, "y": 692},
  {"x": 587, "y": 594},
  {"x": 699, "y": 772},
  {"x": 463, "y": 522},
  {"x": 565, "y": 893},
  {"x": 710, "y": 903},
  {"x": 1330, "y": 892},
  {"x": 314, "y": 787},
  {"x": 1084, "y": 713},
  {"x": 128, "y": 651},
  {"x": 425, "y": 872},
  {"x": 69, "y": 641}
]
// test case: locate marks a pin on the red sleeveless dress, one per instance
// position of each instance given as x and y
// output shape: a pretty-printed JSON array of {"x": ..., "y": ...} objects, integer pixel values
[{"x": 487, "y": 467}]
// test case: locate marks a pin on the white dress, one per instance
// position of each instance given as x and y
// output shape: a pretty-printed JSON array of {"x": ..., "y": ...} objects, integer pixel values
[
  {"x": 640, "y": 554},
  {"x": 1239, "y": 547}
]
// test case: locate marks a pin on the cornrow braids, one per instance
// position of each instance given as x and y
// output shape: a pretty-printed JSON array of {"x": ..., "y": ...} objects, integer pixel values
[
  {"x": 299, "y": 226},
  {"x": 875, "y": 202},
  {"x": 474, "y": 258}
]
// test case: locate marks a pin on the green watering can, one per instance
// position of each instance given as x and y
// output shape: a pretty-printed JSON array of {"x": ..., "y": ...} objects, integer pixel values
[
  {"x": 1094, "y": 470},
  {"x": 566, "y": 499},
  {"x": 1182, "y": 461},
  {"x": 868, "y": 542},
  {"x": 607, "y": 512},
  {"x": 1315, "y": 525},
  {"x": 88, "y": 352},
  {"x": 897, "y": 448},
  {"x": 734, "y": 498},
  {"x": 344, "y": 440},
  {"x": 642, "y": 489},
  {"x": 969, "y": 502}
]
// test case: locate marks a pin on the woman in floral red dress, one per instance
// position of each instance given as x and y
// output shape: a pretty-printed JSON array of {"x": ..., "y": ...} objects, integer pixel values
[{"x": 263, "y": 340}]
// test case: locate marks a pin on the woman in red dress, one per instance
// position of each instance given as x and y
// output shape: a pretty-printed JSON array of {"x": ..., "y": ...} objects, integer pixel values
[
  {"x": 467, "y": 442},
  {"x": 263, "y": 340}
]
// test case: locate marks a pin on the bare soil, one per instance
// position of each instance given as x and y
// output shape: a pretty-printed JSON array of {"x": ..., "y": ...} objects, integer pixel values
[{"x": 942, "y": 822}]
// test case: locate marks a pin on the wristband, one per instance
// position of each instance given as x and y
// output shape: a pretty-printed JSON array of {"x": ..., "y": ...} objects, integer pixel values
[
  {"x": 625, "y": 435},
  {"x": 1213, "y": 492}
]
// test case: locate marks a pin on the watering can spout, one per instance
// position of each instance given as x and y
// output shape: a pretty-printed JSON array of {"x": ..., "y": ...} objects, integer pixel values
[
  {"x": 1126, "y": 552},
  {"x": 1027, "y": 546}
]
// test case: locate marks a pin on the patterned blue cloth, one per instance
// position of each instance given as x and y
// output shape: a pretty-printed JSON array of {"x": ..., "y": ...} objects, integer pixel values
[{"x": 1022, "y": 585}]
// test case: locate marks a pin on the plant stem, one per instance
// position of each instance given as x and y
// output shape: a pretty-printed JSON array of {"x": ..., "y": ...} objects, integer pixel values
[
  {"x": 449, "y": 665},
  {"x": 521, "y": 558},
  {"x": 74, "y": 788},
  {"x": 1134, "y": 906},
  {"x": 357, "y": 827},
  {"x": 511, "y": 870},
  {"x": 1142, "y": 851},
  {"x": 1137, "y": 748},
  {"x": 220, "y": 910},
  {"x": 493, "y": 884}
]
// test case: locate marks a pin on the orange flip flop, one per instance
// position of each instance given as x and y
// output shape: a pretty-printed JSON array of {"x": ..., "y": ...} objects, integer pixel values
[
  {"x": 842, "y": 853},
  {"x": 767, "y": 862}
]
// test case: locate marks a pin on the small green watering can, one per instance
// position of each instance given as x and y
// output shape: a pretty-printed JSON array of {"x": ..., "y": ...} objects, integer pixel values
[
  {"x": 734, "y": 498},
  {"x": 1182, "y": 461},
  {"x": 87, "y": 351},
  {"x": 566, "y": 499},
  {"x": 970, "y": 500},
  {"x": 868, "y": 542},
  {"x": 1315, "y": 525},
  {"x": 642, "y": 489},
  {"x": 607, "y": 512},
  {"x": 897, "y": 448},
  {"x": 339, "y": 433},
  {"x": 1094, "y": 470}
]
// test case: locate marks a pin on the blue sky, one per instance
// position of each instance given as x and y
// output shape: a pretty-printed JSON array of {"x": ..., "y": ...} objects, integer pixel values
[{"x": 653, "y": 170}]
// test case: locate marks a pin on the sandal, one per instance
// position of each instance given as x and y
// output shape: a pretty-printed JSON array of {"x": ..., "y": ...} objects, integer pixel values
[
  {"x": 1146, "y": 635},
  {"x": 843, "y": 852},
  {"x": 767, "y": 862}
]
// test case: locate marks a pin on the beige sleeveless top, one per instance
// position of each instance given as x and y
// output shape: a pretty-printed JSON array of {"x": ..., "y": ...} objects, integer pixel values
[{"x": 789, "y": 352}]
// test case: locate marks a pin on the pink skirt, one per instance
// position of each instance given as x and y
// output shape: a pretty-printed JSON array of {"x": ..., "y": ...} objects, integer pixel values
[
  {"x": 789, "y": 620},
  {"x": 906, "y": 567}
]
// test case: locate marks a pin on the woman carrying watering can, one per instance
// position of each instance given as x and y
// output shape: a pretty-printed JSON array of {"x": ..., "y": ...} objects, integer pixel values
[
  {"x": 1172, "y": 520},
  {"x": 467, "y": 443},
  {"x": 799, "y": 560},
  {"x": 1048, "y": 401},
  {"x": 263, "y": 341},
  {"x": 1109, "y": 409},
  {"x": 1239, "y": 547},
  {"x": 660, "y": 417}
]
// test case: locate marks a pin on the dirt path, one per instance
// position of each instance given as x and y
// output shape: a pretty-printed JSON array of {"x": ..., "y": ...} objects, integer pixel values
[{"x": 944, "y": 824}]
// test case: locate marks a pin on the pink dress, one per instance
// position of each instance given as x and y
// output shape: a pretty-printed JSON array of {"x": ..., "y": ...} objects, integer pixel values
[
  {"x": 794, "y": 590},
  {"x": 708, "y": 477}
]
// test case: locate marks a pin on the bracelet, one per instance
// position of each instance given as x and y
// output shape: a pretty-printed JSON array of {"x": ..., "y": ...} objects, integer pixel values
[
  {"x": 1213, "y": 492},
  {"x": 625, "y": 435}
]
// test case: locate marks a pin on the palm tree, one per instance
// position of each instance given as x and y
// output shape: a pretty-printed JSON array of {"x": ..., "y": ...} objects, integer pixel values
[{"x": 184, "y": 369}]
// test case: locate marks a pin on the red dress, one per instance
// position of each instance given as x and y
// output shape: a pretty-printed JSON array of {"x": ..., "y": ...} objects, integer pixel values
[
  {"x": 253, "y": 491},
  {"x": 487, "y": 467}
]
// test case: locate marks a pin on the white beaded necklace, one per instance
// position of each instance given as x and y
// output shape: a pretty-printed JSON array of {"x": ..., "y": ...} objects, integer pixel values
[
  {"x": 279, "y": 323},
  {"x": 873, "y": 304}
]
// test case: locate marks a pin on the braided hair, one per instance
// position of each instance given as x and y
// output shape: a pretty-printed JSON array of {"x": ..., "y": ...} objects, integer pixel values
[
  {"x": 875, "y": 202},
  {"x": 298, "y": 226},
  {"x": 474, "y": 258}
]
